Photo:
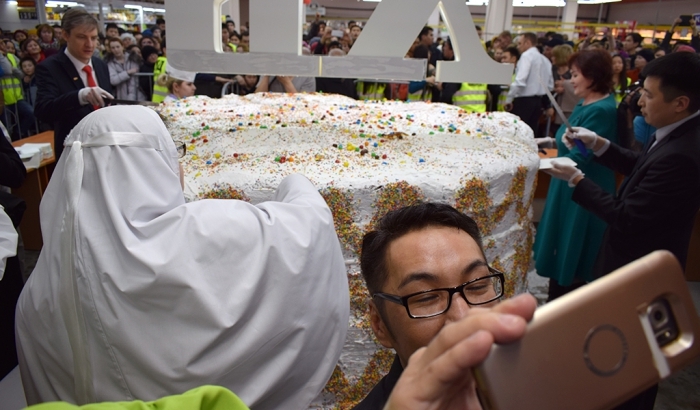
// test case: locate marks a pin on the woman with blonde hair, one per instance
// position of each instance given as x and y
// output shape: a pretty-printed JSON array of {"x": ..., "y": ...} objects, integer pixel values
[{"x": 561, "y": 73}]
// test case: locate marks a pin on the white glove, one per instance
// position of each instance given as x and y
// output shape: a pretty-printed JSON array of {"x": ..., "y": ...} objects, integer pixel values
[
  {"x": 564, "y": 172},
  {"x": 546, "y": 142},
  {"x": 93, "y": 96},
  {"x": 586, "y": 136}
]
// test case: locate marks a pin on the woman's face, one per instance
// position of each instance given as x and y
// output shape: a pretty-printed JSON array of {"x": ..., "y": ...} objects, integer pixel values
[
  {"x": 184, "y": 89},
  {"x": 20, "y": 37},
  {"x": 640, "y": 62},
  {"x": 28, "y": 68},
  {"x": 33, "y": 48},
  {"x": 235, "y": 41},
  {"x": 116, "y": 48},
  {"x": 251, "y": 80},
  {"x": 580, "y": 83},
  {"x": 46, "y": 36},
  {"x": 10, "y": 47},
  {"x": 126, "y": 41},
  {"x": 617, "y": 65},
  {"x": 152, "y": 58},
  {"x": 135, "y": 50},
  {"x": 659, "y": 53},
  {"x": 156, "y": 32}
]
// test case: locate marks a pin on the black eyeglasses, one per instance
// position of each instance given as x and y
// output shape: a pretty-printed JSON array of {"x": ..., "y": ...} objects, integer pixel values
[
  {"x": 181, "y": 148},
  {"x": 434, "y": 302}
]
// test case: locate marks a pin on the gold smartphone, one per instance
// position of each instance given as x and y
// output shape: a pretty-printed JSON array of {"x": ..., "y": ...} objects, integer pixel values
[{"x": 599, "y": 345}]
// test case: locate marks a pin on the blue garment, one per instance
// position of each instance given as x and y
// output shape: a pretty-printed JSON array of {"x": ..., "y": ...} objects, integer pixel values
[
  {"x": 415, "y": 86},
  {"x": 642, "y": 130}
]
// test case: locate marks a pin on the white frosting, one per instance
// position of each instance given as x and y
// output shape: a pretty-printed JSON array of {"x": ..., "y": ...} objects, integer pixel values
[{"x": 440, "y": 148}]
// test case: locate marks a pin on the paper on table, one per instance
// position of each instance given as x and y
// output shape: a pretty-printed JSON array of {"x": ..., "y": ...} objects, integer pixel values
[{"x": 546, "y": 163}]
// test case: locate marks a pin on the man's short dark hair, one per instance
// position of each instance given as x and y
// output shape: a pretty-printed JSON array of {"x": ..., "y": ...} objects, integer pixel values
[
  {"x": 245, "y": 34},
  {"x": 673, "y": 71},
  {"x": 513, "y": 51},
  {"x": 531, "y": 37},
  {"x": 75, "y": 17},
  {"x": 111, "y": 25},
  {"x": 160, "y": 20},
  {"x": 636, "y": 38},
  {"x": 398, "y": 223},
  {"x": 426, "y": 31}
]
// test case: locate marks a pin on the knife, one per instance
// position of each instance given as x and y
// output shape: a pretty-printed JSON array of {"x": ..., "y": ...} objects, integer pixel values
[{"x": 581, "y": 146}]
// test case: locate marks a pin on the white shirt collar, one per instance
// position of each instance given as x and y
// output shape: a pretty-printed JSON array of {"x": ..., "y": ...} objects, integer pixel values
[
  {"x": 77, "y": 63},
  {"x": 663, "y": 132}
]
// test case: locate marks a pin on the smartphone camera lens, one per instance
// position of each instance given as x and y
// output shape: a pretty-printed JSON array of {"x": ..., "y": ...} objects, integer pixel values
[{"x": 662, "y": 322}]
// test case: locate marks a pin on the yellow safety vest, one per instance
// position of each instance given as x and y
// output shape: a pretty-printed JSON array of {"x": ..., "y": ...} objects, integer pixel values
[
  {"x": 11, "y": 87},
  {"x": 471, "y": 97},
  {"x": 159, "y": 92},
  {"x": 370, "y": 91},
  {"x": 619, "y": 95},
  {"x": 234, "y": 47},
  {"x": 424, "y": 94}
]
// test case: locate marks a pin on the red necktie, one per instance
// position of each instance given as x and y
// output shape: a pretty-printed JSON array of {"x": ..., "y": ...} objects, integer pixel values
[{"x": 91, "y": 81}]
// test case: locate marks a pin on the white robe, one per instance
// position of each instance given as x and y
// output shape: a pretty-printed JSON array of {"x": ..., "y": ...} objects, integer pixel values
[
  {"x": 177, "y": 295},
  {"x": 8, "y": 239}
]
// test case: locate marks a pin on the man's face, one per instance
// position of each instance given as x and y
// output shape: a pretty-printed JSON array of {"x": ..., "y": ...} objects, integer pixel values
[
  {"x": 523, "y": 44},
  {"x": 231, "y": 27},
  {"x": 81, "y": 42},
  {"x": 498, "y": 54},
  {"x": 355, "y": 32},
  {"x": 112, "y": 32},
  {"x": 161, "y": 26},
  {"x": 152, "y": 58},
  {"x": 427, "y": 39},
  {"x": 147, "y": 42},
  {"x": 629, "y": 44},
  {"x": 656, "y": 111},
  {"x": 547, "y": 52},
  {"x": 245, "y": 41},
  {"x": 429, "y": 258},
  {"x": 9, "y": 47},
  {"x": 224, "y": 36},
  {"x": 659, "y": 53},
  {"x": 447, "y": 52}
]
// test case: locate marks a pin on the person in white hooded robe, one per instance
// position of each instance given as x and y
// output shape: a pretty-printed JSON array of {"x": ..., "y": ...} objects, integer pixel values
[{"x": 139, "y": 295}]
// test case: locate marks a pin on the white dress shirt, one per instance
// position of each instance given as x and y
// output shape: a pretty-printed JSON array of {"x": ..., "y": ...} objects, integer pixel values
[
  {"x": 531, "y": 67},
  {"x": 83, "y": 75}
]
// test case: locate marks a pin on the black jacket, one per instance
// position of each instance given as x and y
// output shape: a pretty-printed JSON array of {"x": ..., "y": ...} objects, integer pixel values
[
  {"x": 58, "y": 85},
  {"x": 12, "y": 170},
  {"x": 376, "y": 399},
  {"x": 656, "y": 205}
]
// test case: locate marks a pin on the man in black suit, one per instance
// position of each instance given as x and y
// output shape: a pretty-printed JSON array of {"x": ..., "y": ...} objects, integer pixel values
[
  {"x": 656, "y": 205},
  {"x": 73, "y": 83}
]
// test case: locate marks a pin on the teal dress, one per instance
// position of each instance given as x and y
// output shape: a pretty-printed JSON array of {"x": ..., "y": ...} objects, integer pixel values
[{"x": 569, "y": 237}]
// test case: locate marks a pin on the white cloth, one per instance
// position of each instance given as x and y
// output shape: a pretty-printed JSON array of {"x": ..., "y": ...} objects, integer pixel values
[
  {"x": 531, "y": 67},
  {"x": 176, "y": 295},
  {"x": 8, "y": 240}
]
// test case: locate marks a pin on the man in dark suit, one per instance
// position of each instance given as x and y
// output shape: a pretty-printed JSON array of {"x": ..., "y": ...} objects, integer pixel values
[
  {"x": 73, "y": 83},
  {"x": 656, "y": 205}
]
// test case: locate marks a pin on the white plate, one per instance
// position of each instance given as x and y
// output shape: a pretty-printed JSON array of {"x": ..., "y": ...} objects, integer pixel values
[{"x": 546, "y": 163}]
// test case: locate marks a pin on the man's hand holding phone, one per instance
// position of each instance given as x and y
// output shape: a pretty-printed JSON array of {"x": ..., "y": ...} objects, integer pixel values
[{"x": 439, "y": 375}]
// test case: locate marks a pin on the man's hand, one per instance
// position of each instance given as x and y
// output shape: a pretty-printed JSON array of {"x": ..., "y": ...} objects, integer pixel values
[
  {"x": 589, "y": 138},
  {"x": 567, "y": 173},
  {"x": 94, "y": 96},
  {"x": 439, "y": 375}
]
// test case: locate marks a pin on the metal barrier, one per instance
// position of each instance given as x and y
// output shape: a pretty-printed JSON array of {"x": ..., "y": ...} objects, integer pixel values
[{"x": 231, "y": 88}]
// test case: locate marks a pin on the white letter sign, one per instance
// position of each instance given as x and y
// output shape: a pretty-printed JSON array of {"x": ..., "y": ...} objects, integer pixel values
[{"x": 377, "y": 54}]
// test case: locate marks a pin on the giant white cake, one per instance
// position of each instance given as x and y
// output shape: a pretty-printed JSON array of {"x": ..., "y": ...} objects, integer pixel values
[{"x": 366, "y": 158}]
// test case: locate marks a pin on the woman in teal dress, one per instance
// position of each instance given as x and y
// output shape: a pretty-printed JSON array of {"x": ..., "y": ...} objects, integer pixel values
[{"x": 569, "y": 237}]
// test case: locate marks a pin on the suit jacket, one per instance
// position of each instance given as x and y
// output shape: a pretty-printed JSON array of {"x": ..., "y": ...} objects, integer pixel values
[
  {"x": 656, "y": 205},
  {"x": 57, "y": 103},
  {"x": 377, "y": 398}
]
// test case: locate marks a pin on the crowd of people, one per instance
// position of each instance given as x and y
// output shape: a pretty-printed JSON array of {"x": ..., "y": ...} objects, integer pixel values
[{"x": 139, "y": 295}]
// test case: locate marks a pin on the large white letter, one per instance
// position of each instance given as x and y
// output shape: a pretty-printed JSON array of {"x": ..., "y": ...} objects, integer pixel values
[{"x": 195, "y": 33}]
